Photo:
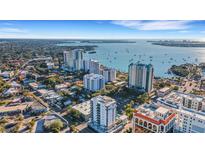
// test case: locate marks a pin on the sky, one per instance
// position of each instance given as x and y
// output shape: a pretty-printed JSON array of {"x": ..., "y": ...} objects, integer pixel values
[{"x": 103, "y": 29}]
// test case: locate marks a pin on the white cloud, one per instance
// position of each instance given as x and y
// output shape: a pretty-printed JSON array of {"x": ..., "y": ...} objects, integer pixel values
[
  {"x": 202, "y": 31},
  {"x": 12, "y": 30},
  {"x": 8, "y": 23},
  {"x": 153, "y": 25},
  {"x": 184, "y": 31}
]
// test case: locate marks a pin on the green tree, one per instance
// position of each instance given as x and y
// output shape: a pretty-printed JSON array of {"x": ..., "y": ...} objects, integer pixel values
[
  {"x": 176, "y": 88},
  {"x": 73, "y": 129},
  {"x": 55, "y": 126},
  {"x": 129, "y": 111},
  {"x": 75, "y": 114},
  {"x": 144, "y": 98}
]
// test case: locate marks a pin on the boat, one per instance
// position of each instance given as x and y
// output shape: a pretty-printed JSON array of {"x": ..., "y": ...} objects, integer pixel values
[{"x": 91, "y": 52}]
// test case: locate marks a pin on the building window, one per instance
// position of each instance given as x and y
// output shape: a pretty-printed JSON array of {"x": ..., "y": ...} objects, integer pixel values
[
  {"x": 145, "y": 124},
  {"x": 141, "y": 122},
  {"x": 136, "y": 121}
]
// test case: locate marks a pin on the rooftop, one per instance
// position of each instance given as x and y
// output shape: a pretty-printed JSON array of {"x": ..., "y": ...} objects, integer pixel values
[
  {"x": 177, "y": 97},
  {"x": 193, "y": 113},
  {"x": 13, "y": 108},
  {"x": 83, "y": 108},
  {"x": 162, "y": 110},
  {"x": 42, "y": 91},
  {"x": 154, "y": 113},
  {"x": 93, "y": 76},
  {"x": 33, "y": 84},
  {"x": 61, "y": 86},
  {"x": 164, "y": 89},
  {"x": 105, "y": 99},
  {"x": 174, "y": 98}
]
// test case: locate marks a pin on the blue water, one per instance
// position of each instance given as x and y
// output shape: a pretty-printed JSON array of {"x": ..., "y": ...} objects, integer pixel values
[{"x": 120, "y": 55}]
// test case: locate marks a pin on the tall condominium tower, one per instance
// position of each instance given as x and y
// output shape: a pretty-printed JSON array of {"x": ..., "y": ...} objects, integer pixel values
[
  {"x": 140, "y": 76},
  {"x": 109, "y": 74},
  {"x": 73, "y": 59},
  {"x": 93, "y": 82},
  {"x": 94, "y": 67},
  {"x": 103, "y": 113}
]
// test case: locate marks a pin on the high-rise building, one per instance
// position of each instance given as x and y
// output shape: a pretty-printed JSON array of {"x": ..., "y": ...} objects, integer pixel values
[
  {"x": 103, "y": 113},
  {"x": 94, "y": 67},
  {"x": 73, "y": 59},
  {"x": 140, "y": 76},
  {"x": 149, "y": 78},
  {"x": 86, "y": 65},
  {"x": 93, "y": 82},
  {"x": 109, "y": 74}
]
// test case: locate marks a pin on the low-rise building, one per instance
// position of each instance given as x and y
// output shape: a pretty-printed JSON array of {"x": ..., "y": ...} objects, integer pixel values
[
  {"x": 84, "y": 109},
  {"x": 13, "y": 110},
  {"x": 154, "y": 118},
  {"x": 11, "y": 91},
  {"x": 67, "y": 102},
  {"x": 42, "y": 92},
  {"x": 163, "y": 91},
  {"x": 177, "y": 99},
  {"x": 7, "y": 74},
  {"x": 50, "y": 65},
  {"x": 36, "y": 86},
  {"x": 53, "y": 98},
  {"x": 37, "y": 108},
  {"x": 62, "y": 86}
]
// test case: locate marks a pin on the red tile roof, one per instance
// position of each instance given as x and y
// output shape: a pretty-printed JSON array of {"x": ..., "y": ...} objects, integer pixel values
[{"x": 157, "y": 122}]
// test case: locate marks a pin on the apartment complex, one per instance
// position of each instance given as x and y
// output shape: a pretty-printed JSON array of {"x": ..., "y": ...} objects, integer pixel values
[
  {"x": 109, "y": 74},
  {"x": 190, "y": 111},
  {"x": 190, "y": 121},
  {"x": 140, "y": 76},
  {"x": 154, "y": 118},
  {"x": 93, "y": 82},
  {"x": 103, "y": 113},
  {"x": 73, "y": 59},
  {"x": 93, "y": 66},
  {"x": 178, "y": 99}
]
